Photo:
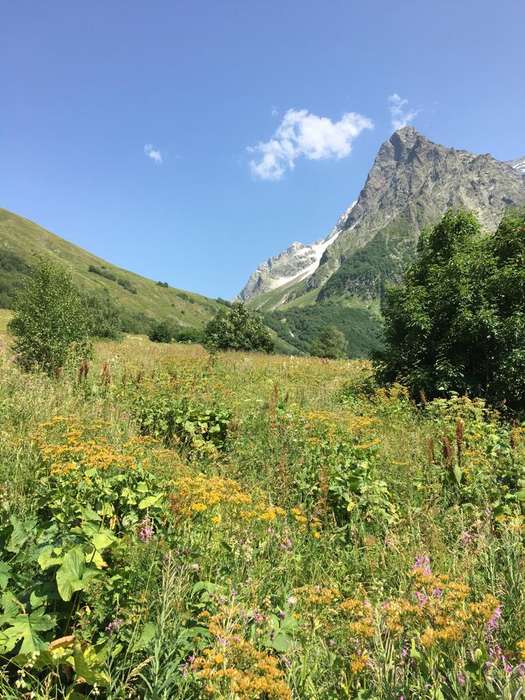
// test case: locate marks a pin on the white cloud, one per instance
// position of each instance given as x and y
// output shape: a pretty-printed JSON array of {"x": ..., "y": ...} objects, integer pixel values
[
  {"x": 401, "y": 115},
  {"x": 303, "y": 134},
  {"x": 153, "y": 153}
]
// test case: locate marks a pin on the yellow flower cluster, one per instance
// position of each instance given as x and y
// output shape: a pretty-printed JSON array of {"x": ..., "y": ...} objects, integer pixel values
[
  {"x": 360, "y": 614},
  {"x": 331, "y": 420},
  {"x": 440, "y": 612},
  {"x": 312, "y": 523},
  {"x": 68, "y": 446},
  {"x": 233, "y": 667},
  {"x": 207, "y": 494},
  {"x": 433, "y": 612},
  {"x": 317, "y": 595},
  {"x": 358, "y": 662}
]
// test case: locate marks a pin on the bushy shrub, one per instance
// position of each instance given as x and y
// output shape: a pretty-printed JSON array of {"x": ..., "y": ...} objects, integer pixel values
[
  {"x": 237, "y": 328},
  {"x": 188, "y": 335},
  {"x": 458, "y": 321},
  {"x": 112, "y": 277},
  {"x": 135, "y": 322},
  {"x": 127, "y": 285},
  {"x": 161, "y": 332},
  {"x": 330, "y": 343},
  {"x": 50, "y": 324},
  {"x": 180, "y": 421},
  {"x": 104, "y": 317},
  {"x": 102, "y": 272}
]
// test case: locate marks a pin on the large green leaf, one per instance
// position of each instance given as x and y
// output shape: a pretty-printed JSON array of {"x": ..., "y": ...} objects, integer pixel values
[
  {"x": 20, "y": 533},
  {"x": 49, "y": 556},
  {"x": 69, "y": 576},
  {"x": 149, "y": 501},
  {"x": 5, "y": 574},
  {"x": 25, "y": 628}
]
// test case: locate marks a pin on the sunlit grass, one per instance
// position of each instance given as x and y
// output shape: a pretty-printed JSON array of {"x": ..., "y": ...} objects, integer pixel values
[{"x": 339, "y": 543}]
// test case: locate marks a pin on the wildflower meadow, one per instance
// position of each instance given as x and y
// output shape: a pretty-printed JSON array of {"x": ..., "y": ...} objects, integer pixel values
[{"x": 182, "y": 525}]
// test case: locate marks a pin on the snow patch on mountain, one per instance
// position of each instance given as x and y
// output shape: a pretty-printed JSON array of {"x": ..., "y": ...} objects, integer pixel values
[
  {"x": 294, "y": 264},
  {"x": 518, "y": 164}
]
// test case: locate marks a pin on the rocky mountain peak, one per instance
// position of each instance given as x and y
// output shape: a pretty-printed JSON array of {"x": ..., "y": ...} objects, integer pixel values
[{"x": 411, "y": 184}]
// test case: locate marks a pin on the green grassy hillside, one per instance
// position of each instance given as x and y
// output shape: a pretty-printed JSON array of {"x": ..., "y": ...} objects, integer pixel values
[
  {"x": 301, "y": 325},
  {"x": 139, "y": 299}
]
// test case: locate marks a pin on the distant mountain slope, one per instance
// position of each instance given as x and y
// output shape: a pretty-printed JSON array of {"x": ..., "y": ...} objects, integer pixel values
[
  {"x": 138, "y": 298},
  {"x": 411, "y": 184}
]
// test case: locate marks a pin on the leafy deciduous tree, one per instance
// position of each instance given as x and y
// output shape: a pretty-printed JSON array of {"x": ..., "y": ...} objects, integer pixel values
[
  {"x": 330, "y": 343},
  {"x": 237, "y": 328},
  {"x": 50, "y": 323},
  {"x": 458, "y": 321}
]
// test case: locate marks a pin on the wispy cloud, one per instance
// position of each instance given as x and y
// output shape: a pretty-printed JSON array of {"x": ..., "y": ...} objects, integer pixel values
[
  {"x": 400, "y": 112},
  {"x": 301, "y": 133},
  {"x": 153, "y": 153}
]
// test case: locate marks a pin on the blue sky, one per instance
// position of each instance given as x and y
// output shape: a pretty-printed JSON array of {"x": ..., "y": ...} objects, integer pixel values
[{"x": 125, "y": 126}]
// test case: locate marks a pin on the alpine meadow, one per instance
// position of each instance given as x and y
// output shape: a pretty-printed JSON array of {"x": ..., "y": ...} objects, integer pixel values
[{"x": 295, "y": 479}]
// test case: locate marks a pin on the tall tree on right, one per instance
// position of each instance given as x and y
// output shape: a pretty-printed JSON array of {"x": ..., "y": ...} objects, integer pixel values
[{"x": 457, "y": 323}]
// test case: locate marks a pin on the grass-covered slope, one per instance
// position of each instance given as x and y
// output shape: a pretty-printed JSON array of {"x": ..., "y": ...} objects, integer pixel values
[
  {"x": 298, "y": 317},
  {"x": 22, "y": 242}
]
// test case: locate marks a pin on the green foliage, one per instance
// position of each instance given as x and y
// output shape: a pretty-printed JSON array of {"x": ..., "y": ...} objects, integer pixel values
[
  {"x": 179, "y": 421},
  {"x": 458, "y": 321},
  {"x": 178, "y": 524},
  {"x": 11, "y": 262},
  {"x": 330, "y": 343},
  {"x": 163, "y": 284},
  {"x": 57, "y": 560},
  {"x": 136, "y": 323},
  {"x": 127, "y": 285},
  {"x": 124, "y": 282},
  {"x": 13, "y": 270},
  {"x": 188, "y": 335},
  {"x": 104, "y": 317},
  {"x": 368, "y": 270},
  {"x": 467, "y": 427},
  {"x": 161, "y": 332},
  {"x": 237, "y": 328},
  {"x": 301, "y": 326},
  {"x": 50, "y": 324},
  {"x": 102, "y": 272}
]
